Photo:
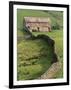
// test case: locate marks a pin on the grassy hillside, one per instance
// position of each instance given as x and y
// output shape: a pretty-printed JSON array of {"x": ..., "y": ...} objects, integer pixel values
[
  {"x": 57, "y": 36},
  {"x": 34, "y": 58},
  {"x": 31, "y": 63}
]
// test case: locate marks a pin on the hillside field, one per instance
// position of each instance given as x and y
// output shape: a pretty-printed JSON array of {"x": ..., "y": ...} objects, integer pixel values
[
  {"x": 57, "y": 36},
  {"x": 34, "y": 56}
]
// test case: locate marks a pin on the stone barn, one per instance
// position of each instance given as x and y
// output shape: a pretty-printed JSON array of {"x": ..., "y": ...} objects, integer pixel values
[{"x": 38, "y": 24}]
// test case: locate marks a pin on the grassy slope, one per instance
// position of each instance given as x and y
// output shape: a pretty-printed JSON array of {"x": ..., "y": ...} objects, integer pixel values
[
  {"x": 34, "y": 58},
  {"x": 56, "y": 35}
]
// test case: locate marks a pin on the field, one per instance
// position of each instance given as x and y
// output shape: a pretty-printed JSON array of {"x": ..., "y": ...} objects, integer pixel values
[
  {"x": 57, "y": 36},
  {"x": 35, "y": 56}
]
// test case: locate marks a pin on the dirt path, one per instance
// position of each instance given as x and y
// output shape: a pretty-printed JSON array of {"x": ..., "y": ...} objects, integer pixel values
[{"x": 50, "y": 73}]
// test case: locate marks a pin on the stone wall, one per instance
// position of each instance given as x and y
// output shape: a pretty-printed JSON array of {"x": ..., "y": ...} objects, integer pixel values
[{"x": 51, "y": 72}]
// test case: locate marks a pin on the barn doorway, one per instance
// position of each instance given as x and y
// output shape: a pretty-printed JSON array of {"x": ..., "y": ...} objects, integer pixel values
[
  {"x": 28, "y": 27},
  {"x": 38, "y": 29}
]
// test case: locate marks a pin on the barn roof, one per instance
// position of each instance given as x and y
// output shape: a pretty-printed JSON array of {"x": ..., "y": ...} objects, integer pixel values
[{"x": 36, "y": 19}]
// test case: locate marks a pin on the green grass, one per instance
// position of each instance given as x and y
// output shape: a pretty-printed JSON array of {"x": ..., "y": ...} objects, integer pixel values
[
  {"x": 31, "y": 63},
  {"x": 57, "y": 36},
  {"x": 34, "y": 58}
]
